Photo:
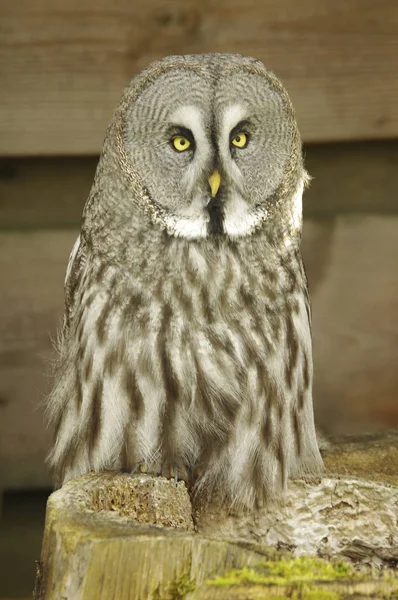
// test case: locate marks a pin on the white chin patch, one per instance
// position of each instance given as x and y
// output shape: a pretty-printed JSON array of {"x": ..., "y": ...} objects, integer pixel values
[
  {"x": 240, "y": 219},
  {"x": 191, "y": 229},
  {"x": 237, "y": 223}
]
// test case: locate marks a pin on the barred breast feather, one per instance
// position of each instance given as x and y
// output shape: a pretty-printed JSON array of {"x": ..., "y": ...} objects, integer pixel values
[
  {"x": 186, "y": 345},
  {"x": 206, "y": 370}
]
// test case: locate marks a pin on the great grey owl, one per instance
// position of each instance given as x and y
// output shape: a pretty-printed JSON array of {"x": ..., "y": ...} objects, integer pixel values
[{"x": 186, "y": 346}]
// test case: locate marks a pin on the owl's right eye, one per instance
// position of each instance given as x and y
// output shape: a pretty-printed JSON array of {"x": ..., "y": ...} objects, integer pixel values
[
  {"x": 240, "y": 140},
  {"x": 181, "y": 143}
]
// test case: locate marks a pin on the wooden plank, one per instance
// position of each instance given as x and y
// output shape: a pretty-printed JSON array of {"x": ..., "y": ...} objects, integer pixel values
[
  {"x": 63, "y": 65},
  {"x": 32, "y": 268},
  {"x": 352, "y": 269},
  {"x": 352, "y": 178},
  {"x": 50, "y": 192},
  {"x": 44, "y": 192},
  {"x": 351, "y": 263}
]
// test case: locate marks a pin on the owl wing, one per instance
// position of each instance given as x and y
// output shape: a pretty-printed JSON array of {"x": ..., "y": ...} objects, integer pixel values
[{"x": 76, "y": 263}]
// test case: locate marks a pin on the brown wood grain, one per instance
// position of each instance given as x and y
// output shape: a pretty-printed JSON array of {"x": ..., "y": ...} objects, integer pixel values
[
  {"x": 352, "y": 178},
  {"x": 352, "y": 269},
  {"x": 63, "y": 66},
  {"x": 32, "y": 268},
  {"x": 119, "y": 558},
  {"x": 44, "y": 192},
  {"x": 347, "y": 178}
]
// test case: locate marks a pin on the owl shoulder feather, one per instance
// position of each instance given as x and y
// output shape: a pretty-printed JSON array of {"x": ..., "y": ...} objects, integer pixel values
[{"x": 76, "y": 263}]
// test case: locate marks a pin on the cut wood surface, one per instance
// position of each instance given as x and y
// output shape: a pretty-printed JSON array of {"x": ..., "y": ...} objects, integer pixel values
[
  {"x": 349, "y": 513},
  {"x": 114, "y": 536},
  {"x": 352, "y": 269},
  {"x": 63, "y": 66},
  {"x": 347, "y": 178},
  {"x": 89, "y": 554}
]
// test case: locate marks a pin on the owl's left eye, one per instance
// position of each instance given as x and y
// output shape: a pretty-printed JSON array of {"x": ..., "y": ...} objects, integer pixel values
[
  {"x": 240, "y": 140},
  {"x": 181, "y": 143}
]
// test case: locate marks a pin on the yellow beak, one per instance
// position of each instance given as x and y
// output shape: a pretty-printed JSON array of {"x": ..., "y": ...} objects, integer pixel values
[{"x": 214, "y": 181}]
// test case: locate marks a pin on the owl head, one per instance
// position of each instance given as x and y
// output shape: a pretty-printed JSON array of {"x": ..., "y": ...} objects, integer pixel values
[{"x": 206, "y": 145}]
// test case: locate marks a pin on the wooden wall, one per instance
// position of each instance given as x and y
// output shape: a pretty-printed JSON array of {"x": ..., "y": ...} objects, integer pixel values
[
  {"x": 64, "y": 63},
  {"x": 62, "y": 69}
]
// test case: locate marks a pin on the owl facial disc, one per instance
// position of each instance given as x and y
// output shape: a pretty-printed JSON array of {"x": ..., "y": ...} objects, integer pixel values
[{"x": 222, "y": 143}]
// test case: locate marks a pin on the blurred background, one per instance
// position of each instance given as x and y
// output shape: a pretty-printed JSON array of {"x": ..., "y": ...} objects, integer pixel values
[{"x": 63, "y": 66}]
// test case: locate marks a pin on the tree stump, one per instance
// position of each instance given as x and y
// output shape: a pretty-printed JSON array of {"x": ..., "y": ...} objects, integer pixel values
[{"x": 115, "y": 536}]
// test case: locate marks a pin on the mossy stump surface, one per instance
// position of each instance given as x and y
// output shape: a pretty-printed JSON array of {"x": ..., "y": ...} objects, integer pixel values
[{"x": 111, "y": 536}]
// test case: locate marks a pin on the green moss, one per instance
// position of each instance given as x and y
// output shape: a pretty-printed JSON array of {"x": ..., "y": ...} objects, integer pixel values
[
  {"x": 316, "y": 594},
  {"x": 180, "y": 587},
  {"x": 285, "y": 572},
  {"x": 177, "y": 589}
]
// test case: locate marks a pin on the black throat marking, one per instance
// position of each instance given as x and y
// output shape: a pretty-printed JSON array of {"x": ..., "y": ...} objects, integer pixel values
[{"x": 216, "y": 212}]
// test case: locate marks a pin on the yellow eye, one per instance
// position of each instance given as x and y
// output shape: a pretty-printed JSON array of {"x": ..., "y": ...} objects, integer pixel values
[
  {"x": 181, "y": 143},
  {"x": 240, "y": 140}
]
